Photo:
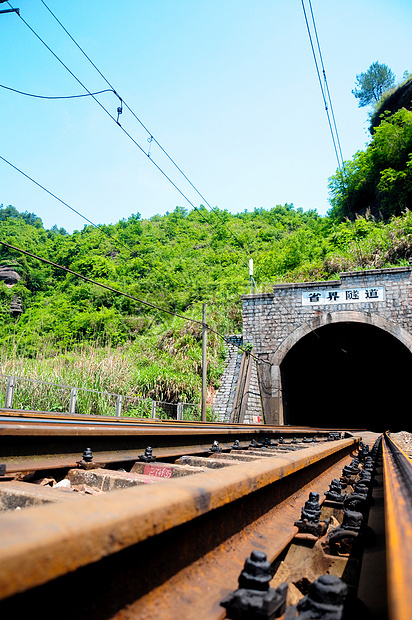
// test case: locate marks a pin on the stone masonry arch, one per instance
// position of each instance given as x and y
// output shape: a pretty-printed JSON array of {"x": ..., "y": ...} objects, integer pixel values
[
  {"x": 340, "y": 317},
  {"x": 277, "y": 322},
  {"x": 330, "y": 318}
]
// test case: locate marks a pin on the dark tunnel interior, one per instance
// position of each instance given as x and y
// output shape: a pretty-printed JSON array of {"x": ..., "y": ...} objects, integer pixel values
[{"x": 348, "y": 375}]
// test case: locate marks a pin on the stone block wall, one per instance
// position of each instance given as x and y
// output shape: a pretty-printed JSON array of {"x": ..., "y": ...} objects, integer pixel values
[
  {"x": 225, "y": 396},
  {"x": 274, "y": 322},
  {"x": 268, "y": 319},
  {"x": 223, "y": 402},
  {"x": 254, "y": 412}
]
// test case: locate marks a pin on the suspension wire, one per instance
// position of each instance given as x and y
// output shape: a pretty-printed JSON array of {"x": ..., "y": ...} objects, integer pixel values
[
  {"x": 151, "y": 137},
  {"x": 337, "y": 145},
  {"x": 326, "y": 84},
  {"x": 50, "y": 193},
  {"x": 342, "y": 166},
  {"x": 108, "y": 235},
  {"x": 122, "y": 128},
  {"x": 20, "y": 92},
  {"x": 118, "y": 292},
  {"x": 201, "y": 214},
  {"x": 105, "y": 232},
  {"x": 97, "y": 226},
  {"x": 106, "y": 110},
  {"x": 321, "y": 86}
]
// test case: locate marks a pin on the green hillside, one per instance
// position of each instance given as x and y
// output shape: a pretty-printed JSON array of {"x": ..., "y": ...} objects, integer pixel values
[{"x": 74, "y": 331}]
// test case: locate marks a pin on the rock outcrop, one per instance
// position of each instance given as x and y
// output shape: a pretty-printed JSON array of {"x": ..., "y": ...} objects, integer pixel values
[
  {"x": 400, "y": 98},
  {"x": 9, "y": 276}
]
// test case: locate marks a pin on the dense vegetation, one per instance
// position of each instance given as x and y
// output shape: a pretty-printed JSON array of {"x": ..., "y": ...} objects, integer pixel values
[
  {"x": 81, "y": 334},
  {"x": 379, "y": 179}
]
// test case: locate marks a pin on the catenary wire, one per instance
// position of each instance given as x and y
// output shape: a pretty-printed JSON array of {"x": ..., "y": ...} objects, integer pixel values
[
  {"x": 112, "y": 238},
  {"x": 20, "y": 92},
  {"x": 49, "y": 192},
  {"x": 135, "y": 116},
  {"x": 151, "y": 136},
  {"x": 321, "y": 85},
  {"x": 152, "y": 267},
  {"x": 326, "y": 84},
  {"x": 113, "y": 90},
  {"x": 108, "y": 235},
  {"x": 126, "y": 132},
  {"x": 111, "y": 87},
  {"x": 337, "y": 145},
  {"x": 112, "y": 117},
  {"x": 341, "y": 163},
  {"x": 104, "y": 108},
  {"x": 90, "y": 221}
]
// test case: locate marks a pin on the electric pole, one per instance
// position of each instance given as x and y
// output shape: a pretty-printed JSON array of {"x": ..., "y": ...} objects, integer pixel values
[{"x": 204, "y": 366}]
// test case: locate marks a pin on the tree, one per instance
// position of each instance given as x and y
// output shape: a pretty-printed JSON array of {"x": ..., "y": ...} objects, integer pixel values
[
  {"x": 378, "y": 179},
  {"x": 371, "y": 85}
]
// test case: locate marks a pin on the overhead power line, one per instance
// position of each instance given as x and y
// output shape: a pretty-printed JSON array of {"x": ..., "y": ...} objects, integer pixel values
[
  {"x": 151, "y": 136},
  {"x": 116, "y": 120},
  {"x": 112, "y": 238},
  {"x": 323, "y": 86},
  {"x": 104, "y": 108},
  {"x": 326, "y": 84},
  {"x": 49, "y": 192},
  {"x": 117, "y": 123},
  {"x": 20, "y": 92}
]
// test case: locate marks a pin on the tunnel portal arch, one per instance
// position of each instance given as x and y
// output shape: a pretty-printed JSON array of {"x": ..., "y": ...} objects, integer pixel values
[
  {"x": 353, "y": 336},
  {"x": 348, "y": 375}
]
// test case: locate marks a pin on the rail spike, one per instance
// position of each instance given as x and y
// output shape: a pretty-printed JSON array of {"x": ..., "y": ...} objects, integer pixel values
[
  {"x": 350, "y": 532},
  {"x": 147, "y": 457},
  {"x": 86, "y": 461},
  {"x": 335, "y": 492},
  {"x": 325, "y": 599},
  {"x": 255, "y": 599},
  {"x": 309, "y": 522},
  {"x": 215, "y": 447}
]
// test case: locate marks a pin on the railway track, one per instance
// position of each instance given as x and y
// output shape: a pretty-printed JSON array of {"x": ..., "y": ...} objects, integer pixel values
[
  {"x": 34, "y": 441},
  {"x": 175, "y": 542}
]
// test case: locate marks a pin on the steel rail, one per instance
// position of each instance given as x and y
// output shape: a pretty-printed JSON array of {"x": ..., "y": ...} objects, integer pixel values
[
  {"x": 31, "y": 441},
  {"x": 397, "y": 470},
  {"x": 169, "y": 550},
  {"x": 51, "y": 416}
]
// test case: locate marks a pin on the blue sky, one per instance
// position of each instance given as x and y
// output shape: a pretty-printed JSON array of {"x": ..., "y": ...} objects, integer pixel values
[{"x": 229, "y": 89}]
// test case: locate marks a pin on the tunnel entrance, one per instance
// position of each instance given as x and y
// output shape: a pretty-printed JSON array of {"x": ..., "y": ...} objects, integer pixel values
[{"x": 348, "y": 375}]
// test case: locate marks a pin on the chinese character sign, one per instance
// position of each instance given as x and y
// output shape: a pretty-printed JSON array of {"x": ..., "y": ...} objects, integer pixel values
[{"x": 343, "y": 296}]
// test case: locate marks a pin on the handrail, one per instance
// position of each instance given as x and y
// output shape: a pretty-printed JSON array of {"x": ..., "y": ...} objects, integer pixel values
[{"x": 13, "y": 380}]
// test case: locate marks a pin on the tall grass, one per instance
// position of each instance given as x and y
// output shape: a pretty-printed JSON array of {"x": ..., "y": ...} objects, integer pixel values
[{"x": 163, "y": 364}]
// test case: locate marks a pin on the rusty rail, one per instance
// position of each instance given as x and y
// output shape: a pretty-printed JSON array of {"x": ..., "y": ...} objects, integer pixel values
[
  {"x": 397, "y": 469},
  {"x": 170, "y": 550},
  {"x": 39, "y": 441}
]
